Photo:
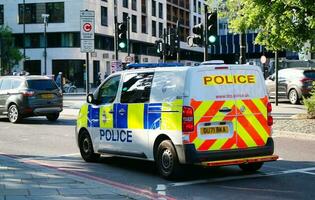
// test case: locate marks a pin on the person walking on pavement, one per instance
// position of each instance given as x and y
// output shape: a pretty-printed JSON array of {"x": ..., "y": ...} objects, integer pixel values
[
  {"x": 59, "y": 79},
  {"x": 99, "y": 79}
]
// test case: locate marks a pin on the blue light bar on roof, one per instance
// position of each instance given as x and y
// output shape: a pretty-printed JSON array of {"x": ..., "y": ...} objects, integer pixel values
[{"x": 153, "y": 65}]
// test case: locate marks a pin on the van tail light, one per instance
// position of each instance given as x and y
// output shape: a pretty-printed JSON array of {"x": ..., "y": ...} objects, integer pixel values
[
  {"x": 27, "y": 93},
  {"x": 269, "y": 117},
  {"x": 188, "y": 119}
]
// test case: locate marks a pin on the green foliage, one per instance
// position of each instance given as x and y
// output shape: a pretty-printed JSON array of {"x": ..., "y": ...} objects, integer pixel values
[
  {"x": 281, "y": 24},
  {"x": 310, "y": 103},
  {"x": 10, "y": 55}
]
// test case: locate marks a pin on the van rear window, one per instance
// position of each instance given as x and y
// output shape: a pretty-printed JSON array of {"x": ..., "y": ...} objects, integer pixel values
[{"x": 42, "y": 84}]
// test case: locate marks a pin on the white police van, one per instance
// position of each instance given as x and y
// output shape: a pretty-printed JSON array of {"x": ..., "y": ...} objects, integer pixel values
[{"x": 212, "y": 114}]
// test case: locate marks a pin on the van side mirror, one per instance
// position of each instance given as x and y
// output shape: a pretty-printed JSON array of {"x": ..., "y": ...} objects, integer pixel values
[{"x": 90, "y": 99}]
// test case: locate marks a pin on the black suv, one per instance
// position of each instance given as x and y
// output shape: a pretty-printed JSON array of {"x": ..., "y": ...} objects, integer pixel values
[
  {"x": 26, "y": 96},
  {"x": 294, "y": 83}
]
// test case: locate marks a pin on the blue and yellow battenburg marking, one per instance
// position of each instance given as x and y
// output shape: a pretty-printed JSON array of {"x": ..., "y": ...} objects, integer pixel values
[{"x": 163, "y": 116}]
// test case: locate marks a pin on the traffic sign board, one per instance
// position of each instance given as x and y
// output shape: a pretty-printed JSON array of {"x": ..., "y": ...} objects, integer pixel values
[
  {"x": 87, "y": 30},
  {"x": 128, "y": 59}
]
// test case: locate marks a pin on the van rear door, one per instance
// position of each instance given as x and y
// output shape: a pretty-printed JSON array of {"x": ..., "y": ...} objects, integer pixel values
[
  {"x": 211, "y": 96},
  {"x": 251, "y": 107}
]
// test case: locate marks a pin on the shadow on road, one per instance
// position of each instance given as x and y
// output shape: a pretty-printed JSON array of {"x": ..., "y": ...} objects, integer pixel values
[{"x": 43, "y": 121}]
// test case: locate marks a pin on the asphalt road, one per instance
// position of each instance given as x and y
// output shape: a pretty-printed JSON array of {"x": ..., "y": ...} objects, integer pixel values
[{"x": 53, "y": 144}]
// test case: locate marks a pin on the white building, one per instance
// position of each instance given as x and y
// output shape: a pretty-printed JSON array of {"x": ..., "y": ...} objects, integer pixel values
[{"x": 147, "y": 19}]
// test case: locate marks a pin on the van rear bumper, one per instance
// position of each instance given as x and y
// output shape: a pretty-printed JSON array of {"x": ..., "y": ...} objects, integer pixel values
[{"x": 188, "y": 154}]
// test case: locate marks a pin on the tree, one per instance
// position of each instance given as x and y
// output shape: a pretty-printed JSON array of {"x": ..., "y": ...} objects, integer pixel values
[
  {"x": 281, "y": 24},
  {"x": 10, "y": 55}
]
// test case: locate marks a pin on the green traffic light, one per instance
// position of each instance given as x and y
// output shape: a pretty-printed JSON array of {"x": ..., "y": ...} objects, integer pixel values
[
  {"x": 212, "y": 39},
  {"x": 122, "y": 45}
]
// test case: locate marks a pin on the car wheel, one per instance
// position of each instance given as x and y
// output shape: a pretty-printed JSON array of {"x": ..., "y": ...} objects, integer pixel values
[
  {"x": 86, "y": 148},
  {"x": 293, "y": 97},
  {"x": 13, "y": 114},
  {"x": 167, "y": 160},
  {"x": 251, "y": 167},
  {"x": 52, "y": 117}
]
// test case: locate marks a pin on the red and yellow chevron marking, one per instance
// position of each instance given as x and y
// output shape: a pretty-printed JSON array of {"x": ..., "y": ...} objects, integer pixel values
[{"x": 249, "y": 118}]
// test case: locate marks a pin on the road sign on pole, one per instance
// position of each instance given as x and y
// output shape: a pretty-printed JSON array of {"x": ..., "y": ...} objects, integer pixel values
[{"x": 87, "y": 19}]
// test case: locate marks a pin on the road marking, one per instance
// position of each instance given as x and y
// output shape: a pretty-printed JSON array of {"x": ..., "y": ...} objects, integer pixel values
[
  {"x": 129, "y": 188},
  {"x": 214, "y": 180},
  {"x": 160, "y": 188}
]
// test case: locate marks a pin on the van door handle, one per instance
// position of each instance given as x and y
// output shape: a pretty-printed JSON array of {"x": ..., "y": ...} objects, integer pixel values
[
  {"x": 225, "y": 110},
  {"x": 111, "y": 112}
]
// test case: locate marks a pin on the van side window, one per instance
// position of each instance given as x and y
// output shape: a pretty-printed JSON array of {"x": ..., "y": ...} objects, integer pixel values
[
  {"x": 108, "y": 90},
  {"x": 6, "y": 84},
  {"x": 136, "y": 88}
]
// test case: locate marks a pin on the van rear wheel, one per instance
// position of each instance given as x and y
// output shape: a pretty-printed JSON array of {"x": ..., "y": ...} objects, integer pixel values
[
  {"x": 167, "y": 160},
  {"x": 86, "y": 148},
  {"x": 251, "y": 167}
]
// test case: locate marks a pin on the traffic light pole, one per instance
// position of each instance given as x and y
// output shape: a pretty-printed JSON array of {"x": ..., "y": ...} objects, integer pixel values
[
  {"x": 128, "y": 36},
  {"x": 164, "y": 45},
  {"x": 87, "y": 74},
  {"x": 116, "y": 30},
  {"x": 178, "y": 38},
  {"x": 242, "y": 48},
  {"x": 205, "y": 57}
]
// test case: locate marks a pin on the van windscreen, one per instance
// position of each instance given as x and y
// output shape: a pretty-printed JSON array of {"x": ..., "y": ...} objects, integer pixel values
[{"x": 42, "y": 84}]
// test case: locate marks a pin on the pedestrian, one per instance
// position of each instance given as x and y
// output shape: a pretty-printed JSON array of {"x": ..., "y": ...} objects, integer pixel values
[
  {"x": 99, "y": 79},
  {"x": 105, "y": 75},
  {"x": 58, "y": 79}
]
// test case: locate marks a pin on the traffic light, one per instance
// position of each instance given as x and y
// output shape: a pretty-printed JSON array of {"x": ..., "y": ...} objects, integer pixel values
[
  {"x": 122, "y": 36},
  {"x": 198, "y": 38},
  {"x": 174, "y": 42},
  {"x": 212, "y": 29}
]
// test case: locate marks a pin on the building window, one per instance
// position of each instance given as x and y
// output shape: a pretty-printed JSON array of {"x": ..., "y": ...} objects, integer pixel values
[
  {"x": 144, "y": 6},
  {"x": 144, "y": 24},
  {"x": 1, "y": 15},
  {"x": 161, "y": 10},
  {"x": 195, "y": 20},
  {"x": 125, "y": 16},
  {"x": 104, "y": 18},
  {"x": 195, "y": 6},
  {"x": 125, "y": 3},
  {"x": 134, "y": 5},
  {"x": 34, "y": 11},
  {"x": 153, "y": 8},
  {"x": 154, "y": 28},
  {"x": 134, "y": 23},
  {"x": 199, "y": 7},
  {"x": 160, "y": 29}
]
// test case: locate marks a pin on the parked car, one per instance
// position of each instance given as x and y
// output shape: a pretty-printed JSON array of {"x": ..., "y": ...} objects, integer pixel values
[
  {"x": 294, "y": 83},
  {"x": 26, "y": 96}
]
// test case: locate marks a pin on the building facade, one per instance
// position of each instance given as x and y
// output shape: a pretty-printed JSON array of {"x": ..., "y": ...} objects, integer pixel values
[{"x": 148, "y": 18}]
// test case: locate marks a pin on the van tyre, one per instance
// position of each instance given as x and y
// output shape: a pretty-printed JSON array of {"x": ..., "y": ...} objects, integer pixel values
[
  {"x": 86, "y": 148},
  {"x": 294, "y": 96},
  {"x": 167, "y": 160},
  {"x": 52, "y": 117},
  {"x": 251, "y": 167},
  {"x": 14, "y": 114}
]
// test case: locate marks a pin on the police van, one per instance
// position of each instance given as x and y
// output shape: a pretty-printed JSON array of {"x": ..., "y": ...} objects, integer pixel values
[{"x": 211, "y": 115}]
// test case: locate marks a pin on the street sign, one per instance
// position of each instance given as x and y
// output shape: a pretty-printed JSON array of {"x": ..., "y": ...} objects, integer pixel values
[
  {"x": 116, "y": 66},
  {"x": 128, "y": 59},
  {"x": 87, "y": 27},
  {"x": 263, "y": 59}
]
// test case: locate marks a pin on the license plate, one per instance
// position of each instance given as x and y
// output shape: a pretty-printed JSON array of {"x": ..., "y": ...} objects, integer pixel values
[
  {"x": 214, "y": 130},
  {"x": 47, "y": 96}
]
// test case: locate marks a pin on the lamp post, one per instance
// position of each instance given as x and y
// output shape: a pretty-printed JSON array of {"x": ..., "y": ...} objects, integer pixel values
[
  {"x": 45, "y": 17},
  {"x": 24, "y": 53}
]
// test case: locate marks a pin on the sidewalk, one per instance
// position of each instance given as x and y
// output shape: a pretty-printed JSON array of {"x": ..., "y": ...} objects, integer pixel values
[{"x": 27, "y": 180}]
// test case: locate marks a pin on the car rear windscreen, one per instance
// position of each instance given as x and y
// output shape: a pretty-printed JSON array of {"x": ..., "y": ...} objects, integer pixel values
[
  {"x": 310, "y": 74},
  {"x": 42, "y": 85}
]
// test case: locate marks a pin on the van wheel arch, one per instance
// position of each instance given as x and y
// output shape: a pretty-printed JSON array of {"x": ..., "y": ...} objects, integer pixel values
[
  {"x": 86, "y": 146},
  {"x": 157, "y": 142}
]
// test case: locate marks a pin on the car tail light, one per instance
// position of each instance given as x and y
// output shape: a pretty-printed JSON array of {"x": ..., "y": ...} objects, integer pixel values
[
  {"x": 269, "y": 117},
  {"x": 27, "y": 93},
  {"x": 188, "y": 119}
]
